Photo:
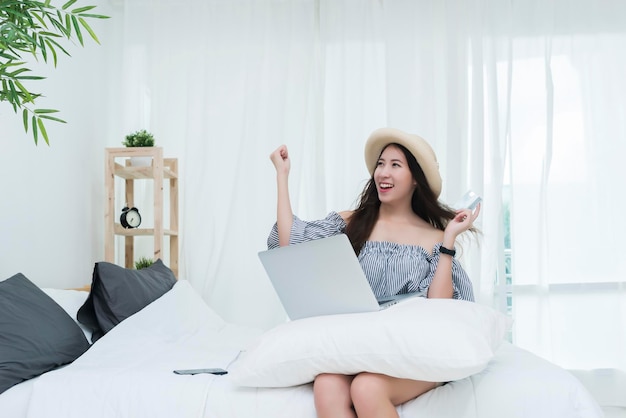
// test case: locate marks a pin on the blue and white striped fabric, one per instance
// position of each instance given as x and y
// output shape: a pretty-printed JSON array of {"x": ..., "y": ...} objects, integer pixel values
[{"x": 390, "y": 268}]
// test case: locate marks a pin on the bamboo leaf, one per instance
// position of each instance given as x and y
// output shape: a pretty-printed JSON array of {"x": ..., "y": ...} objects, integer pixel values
[
  {"x": 15, "y": 73},
  {"x": 41, "y": 111},
  {"x": 30, "y": 77},
  {"x": 50, "y": 34},
  {"x": 52, "y": 118},
  {"x": 12, "y": 87},
  {"x": 83, "y": 9},
  {"x": 68, "y": 25},
  {"x": 11, "y": 64},
  {"x": 79, "y": 35},
  {"x": 88, "y": 29},
  {"x": 68, "y": 4},
  {"x": 34, "y": 27},
  {"x": 42, "y": 128},
  {"x": 95, "y": 16},
  {"x": 8, "y": 56},
  {"x": 56, "y": 44},
  {"x": 40, "y": 19},
  {"x": 60, "y": 27},
  {"x": 35, "y": 131},
  {"x": 27, "y": 96},
  {"x": 42, "y": 47},
  {"x": 54, "y": 52}
]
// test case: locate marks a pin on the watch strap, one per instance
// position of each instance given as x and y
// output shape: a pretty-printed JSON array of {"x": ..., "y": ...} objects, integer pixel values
[{"x": 447, "y": 251}]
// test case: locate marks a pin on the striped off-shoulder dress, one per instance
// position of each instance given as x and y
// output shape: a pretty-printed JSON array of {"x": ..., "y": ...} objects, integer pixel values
[{"x": 390, "y": 268}]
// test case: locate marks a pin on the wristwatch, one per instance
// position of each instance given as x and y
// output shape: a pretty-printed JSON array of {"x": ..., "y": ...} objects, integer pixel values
[{"x": 444, "y": 250}]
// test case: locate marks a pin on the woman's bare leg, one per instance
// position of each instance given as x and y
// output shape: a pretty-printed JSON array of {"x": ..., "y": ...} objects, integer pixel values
[
  {"x": 377, "y": 395},
  {"x": 332, "y": 396}
]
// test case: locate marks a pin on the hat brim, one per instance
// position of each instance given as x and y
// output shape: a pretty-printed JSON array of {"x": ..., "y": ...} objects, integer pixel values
[{"x": 416, "y": 145}]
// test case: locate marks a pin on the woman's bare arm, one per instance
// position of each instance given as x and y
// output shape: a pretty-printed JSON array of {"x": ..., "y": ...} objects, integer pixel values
[{"x": 284, "y": 213}]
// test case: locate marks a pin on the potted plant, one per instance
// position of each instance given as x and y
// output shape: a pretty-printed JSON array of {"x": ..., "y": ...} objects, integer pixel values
[
  {"x": 141, "y": 138},
  {"x": 36, "y": 29},
  {"x": 143, "y": 262}
]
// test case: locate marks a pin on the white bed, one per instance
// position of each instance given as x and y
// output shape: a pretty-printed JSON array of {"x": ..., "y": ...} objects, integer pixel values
[{"x": 128, "y": 373}]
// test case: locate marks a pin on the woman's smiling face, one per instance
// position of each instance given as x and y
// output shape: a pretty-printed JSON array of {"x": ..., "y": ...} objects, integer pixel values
[{"x": 393, "y": 178}]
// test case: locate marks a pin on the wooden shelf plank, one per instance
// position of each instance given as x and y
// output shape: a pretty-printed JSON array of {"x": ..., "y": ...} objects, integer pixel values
[
  {"x": 138, "y": 173},
  {"x": 131, "y": 232}
]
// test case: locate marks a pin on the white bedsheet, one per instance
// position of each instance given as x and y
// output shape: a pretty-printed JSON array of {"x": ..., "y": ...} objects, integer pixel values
[{"x": 128, "y": 373}]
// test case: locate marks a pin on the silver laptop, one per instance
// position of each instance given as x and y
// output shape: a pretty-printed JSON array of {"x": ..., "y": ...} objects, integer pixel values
[{"x": 322, "y": 277}]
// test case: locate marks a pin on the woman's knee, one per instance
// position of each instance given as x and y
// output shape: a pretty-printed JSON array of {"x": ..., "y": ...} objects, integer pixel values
[
  {"x": 332, "y": 391},
  {"x": 368, "y": 388},
  {"x": 372, "y": 390}
]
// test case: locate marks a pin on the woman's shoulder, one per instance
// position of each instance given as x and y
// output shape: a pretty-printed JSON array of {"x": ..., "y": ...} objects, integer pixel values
[{"x": 346, "y": 215}]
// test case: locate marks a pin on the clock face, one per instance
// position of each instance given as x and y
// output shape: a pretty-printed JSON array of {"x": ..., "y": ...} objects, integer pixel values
[
  {"x": 133, "y": 218},
  {"x": 130, "y": 218}
]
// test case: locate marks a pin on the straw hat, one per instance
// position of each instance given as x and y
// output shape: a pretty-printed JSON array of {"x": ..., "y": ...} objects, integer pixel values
[{"x": 416, "y": 145}]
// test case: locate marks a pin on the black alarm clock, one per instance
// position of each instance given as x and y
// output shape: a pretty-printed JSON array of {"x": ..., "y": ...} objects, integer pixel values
[{"x": 130, "y": 217}]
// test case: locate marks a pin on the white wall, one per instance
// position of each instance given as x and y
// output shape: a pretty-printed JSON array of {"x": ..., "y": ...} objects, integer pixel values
[{"x": 51, "y": 197}]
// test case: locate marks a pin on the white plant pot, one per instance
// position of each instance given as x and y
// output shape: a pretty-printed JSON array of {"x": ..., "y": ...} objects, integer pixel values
[{"x": 141, "y": 161}]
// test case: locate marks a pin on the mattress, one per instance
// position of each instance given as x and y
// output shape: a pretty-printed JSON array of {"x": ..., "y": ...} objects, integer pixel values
[{"x": 129, "y": 373}]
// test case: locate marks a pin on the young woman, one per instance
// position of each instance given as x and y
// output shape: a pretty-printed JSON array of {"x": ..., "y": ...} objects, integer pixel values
[{"x": 405, "y": 242}]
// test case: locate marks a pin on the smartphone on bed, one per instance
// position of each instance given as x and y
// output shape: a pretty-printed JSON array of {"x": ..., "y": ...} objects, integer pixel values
[
  {"x": 215, "y": 370},
  {"x": 468, "y": 201}
]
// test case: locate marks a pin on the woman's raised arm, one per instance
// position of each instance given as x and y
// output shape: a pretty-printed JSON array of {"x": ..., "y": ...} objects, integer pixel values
[{"x": 284, "y": 213}]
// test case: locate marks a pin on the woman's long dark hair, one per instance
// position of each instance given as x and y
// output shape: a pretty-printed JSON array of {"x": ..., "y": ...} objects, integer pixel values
[{"x": 423, "y": 202}]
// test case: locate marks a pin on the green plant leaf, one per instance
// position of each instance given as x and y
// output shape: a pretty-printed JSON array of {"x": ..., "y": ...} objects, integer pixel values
[
  {"x": 52, "y": 118},
  {"x": 35, "y": 131},
  {"x": 17, "y": 72},
  {"x": 95, "y": 16},
  {"x": 79, "y": 35},
  {"x": 42, "y": 128},
  {"x": 42, "y": 48},
  {"x": 54, "y": 52},
  {"x": 57, "y": 45},
  {"x": 8, "y": 56},
  {"x": 68, "y": 25},
  {"x": 83, "y": 9},
  {"x": 11, "y": 64},
  {"x": 60, "y": 27},
  {"x": 42, "y": 111},
  {"x": 12, "y": 92},
  {"x": 88, "y": 29},
  {"x": 27, "y": 96},
  {"x": 50, "y": 34},
  {"x": 30, "y": 77},
  {"x": 36, "y": 27},
  {"x": 68, "y": 4},
  {"x": 40, "y": 19}
]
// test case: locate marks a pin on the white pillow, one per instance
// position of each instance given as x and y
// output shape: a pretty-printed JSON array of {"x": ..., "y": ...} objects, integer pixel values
[{"x": 435, "y": 340}]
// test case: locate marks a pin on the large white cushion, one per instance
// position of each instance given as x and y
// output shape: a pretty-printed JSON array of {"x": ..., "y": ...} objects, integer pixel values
[{"x": 435, "y": 340}]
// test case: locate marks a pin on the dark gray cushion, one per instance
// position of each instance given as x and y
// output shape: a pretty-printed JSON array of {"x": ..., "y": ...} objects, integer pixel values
[
  {"x": 117, "y": 293},
  {"x": 36, "y": 334}
]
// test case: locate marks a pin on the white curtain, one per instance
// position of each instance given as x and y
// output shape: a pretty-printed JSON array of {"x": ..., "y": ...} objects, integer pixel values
[{"x": 522, "y": 101}]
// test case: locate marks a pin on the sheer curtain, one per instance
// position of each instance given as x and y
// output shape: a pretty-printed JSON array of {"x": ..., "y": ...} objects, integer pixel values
[
  {"x": 523, "y": 103},
  {"x": 567, "y": 140}
]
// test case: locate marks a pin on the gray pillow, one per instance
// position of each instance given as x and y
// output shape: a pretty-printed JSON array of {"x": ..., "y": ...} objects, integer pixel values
[
  {"x": 117, "y": 293},
  {"x": 36, "y": 334}
]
